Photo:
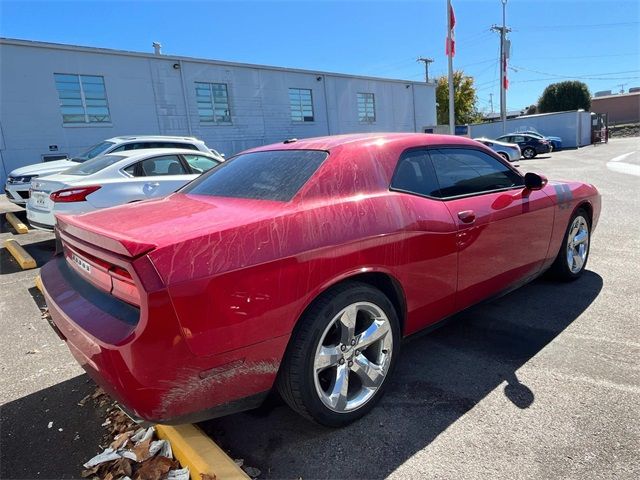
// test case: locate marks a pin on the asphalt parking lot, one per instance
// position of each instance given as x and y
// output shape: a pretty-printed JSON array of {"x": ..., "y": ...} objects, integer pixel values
[{"x": 541, "y": 383}]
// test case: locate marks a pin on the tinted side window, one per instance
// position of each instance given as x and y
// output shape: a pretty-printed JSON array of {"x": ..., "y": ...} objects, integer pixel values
[
  {"x": 268, "y": 175},
  {"x": 463, "y": 171},
  {"x": 153, "y": 167},
  {"x": 200, "y": 163},
  {"x": 415, "y": 174},
  {"x": 519, "y": 139}
]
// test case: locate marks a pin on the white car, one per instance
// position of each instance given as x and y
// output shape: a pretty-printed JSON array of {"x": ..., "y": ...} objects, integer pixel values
[
  {"x": 114, "y": 179},
  {"x": 19, "y": 180},
  {"x": 509, "y": 151}
]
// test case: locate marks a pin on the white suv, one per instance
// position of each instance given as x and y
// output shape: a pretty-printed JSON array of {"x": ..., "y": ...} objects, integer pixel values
[{"x": 19, "y": 180}]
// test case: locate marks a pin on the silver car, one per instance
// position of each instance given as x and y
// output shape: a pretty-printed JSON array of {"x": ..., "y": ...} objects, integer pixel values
[
  {"x": 19, "y": 180},
  {"x": 509, "y": 151}
]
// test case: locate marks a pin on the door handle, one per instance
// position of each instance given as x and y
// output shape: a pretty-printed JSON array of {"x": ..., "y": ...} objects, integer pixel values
[
  {"x": 467, "y": 216},
  {"x": 152, "y": 184}
]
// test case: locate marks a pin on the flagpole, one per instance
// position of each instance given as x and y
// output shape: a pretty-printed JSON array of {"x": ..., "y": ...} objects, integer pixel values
[{"x": 452, "y": 114}]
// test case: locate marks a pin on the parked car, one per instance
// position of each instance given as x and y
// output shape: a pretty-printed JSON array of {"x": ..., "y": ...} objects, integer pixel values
[
  {"x": 19, "y": 180},
  {"x": 301, "y": 266},
  {"x": 114, "y": 179},
  {"x": 556, "y": 142},
  {"x": 509, "y": 151},
  {"x": 529, "y": 145}
]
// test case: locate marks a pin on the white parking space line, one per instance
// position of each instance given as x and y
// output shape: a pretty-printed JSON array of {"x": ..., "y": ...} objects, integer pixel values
[{"x": 617, "y": 165}]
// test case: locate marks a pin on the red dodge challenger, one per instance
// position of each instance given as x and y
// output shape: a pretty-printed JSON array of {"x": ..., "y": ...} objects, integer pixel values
[{"x": 301, "y": 266}]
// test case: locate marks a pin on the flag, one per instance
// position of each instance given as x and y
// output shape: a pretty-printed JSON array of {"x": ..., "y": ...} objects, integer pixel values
[{"x": 450, "y": 48}]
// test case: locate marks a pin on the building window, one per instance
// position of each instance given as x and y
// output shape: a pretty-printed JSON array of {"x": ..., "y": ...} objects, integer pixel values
[
  {"x": 83, "y": 98},
  {"x": 301, "y": 102},
  {"x": 213, "y": 102},
  {"x": 366, "y": 107}
]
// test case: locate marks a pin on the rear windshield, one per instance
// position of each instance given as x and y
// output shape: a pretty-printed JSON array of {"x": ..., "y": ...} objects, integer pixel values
[
  {"x": 93, "y": 152},
  {"x": 270, "y": 175},
  {"x": 94, "y": 165}
]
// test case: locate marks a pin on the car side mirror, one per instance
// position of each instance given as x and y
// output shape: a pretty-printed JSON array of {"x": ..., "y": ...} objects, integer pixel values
[{"x": 533, "y": 181}]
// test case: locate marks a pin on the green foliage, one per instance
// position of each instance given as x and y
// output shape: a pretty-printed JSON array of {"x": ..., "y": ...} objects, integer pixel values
[
  {"x": 531, "y": 110},
  {"x": 563, "y": 96},
  {"x": 466, "y": 110}
]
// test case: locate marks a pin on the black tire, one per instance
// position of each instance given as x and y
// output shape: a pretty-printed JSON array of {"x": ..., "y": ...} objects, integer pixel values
[
  {"x": 529, "y": 153},
  {"x": 560, "y": 268},
  {"x": 505, "y": 156},
  {"x": 297, "y": 376}
]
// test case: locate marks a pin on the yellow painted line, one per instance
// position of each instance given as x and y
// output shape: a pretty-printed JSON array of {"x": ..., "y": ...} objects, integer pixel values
[
  {"x": 25, "y": 260},
  {"x": 38, "y": 282},
  {"x": 195, "y": 450},
  {"x": 16, "y": 223}
]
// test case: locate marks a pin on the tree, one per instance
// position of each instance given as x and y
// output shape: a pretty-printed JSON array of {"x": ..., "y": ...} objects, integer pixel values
[
  {"x": 466, "y": 110},
  {"x": 563, "y": 96},
  {"x": 531, "y": 110}
]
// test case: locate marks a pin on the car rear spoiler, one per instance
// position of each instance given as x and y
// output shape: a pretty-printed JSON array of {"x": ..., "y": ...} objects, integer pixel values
[{"x": 104, "y": 239}]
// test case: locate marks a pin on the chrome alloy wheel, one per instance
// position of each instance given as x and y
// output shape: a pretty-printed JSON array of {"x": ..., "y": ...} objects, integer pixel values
[
  {"x": 577, "y": 244},
  {"x": 353, "y": 357}
]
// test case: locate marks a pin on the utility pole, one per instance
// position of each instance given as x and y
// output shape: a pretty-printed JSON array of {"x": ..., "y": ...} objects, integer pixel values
[
  {"x": 621, "y": 85},
  {"x": 504, "y": 54},
  {"x": 491, "y": 101},
  {"x": 426, "y": 61}
]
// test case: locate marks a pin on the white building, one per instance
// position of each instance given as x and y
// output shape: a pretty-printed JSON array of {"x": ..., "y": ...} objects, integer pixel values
[{"x": 59, "y": 99}]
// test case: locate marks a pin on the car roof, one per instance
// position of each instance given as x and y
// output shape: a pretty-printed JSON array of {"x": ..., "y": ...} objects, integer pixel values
[
  {"x": 152, "y": 152},
  {"x": 128, "y": 138},
  {"x": 359, "y": 140}
]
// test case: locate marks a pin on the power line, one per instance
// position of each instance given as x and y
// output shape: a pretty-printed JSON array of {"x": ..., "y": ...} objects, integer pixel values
[
  {"x": 586, "y": 76},
  {"x": 576, "y": 78},
  {"x": 571, "y": 57},
  {"x": 580, "y": 26}
]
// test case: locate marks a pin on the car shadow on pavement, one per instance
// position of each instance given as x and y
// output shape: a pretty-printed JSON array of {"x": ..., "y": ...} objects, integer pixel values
[
  {"x": 40, "y": 251},
  {"x": 30, "y": 448},
  {"x": 439, "y": 378}
]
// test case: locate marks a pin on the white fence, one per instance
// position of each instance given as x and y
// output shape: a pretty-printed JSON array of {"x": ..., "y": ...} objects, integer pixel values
[{"x": 573, "y": 127}]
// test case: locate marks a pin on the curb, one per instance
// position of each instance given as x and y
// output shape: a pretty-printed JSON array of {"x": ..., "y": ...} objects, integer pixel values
[
  {"x": 25, "y": 260},
  {"x": 197, "y": 451},
  {"x": 16, "y": 223},
  {"x": 38, "y": 282}
]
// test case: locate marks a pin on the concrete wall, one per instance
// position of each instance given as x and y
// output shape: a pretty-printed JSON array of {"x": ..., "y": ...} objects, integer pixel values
[
  {"x": 146, "y": 95},
  {"x": 623, "y": 108},
  {"x": 573, "y": 127}
]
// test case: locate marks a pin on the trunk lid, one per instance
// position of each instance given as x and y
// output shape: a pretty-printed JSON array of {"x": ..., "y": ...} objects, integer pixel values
[
  {"x": 167, "y": 221},
  {"x": 41, "y": 189}
]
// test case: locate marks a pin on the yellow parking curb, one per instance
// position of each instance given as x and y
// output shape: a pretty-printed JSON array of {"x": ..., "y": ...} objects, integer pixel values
[
  {"x": 16, "y": 223},
  {"x": 38, "y": 282},
  {"x": 25, "y": 260},
  {"x": 195, "y": 450}
]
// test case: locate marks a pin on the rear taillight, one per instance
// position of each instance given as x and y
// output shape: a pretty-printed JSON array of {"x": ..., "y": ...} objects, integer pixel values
[
  {"x": 76, "y": 194},
  {"x": 104, "y": 275},
  {"x": 123, "y": 286}
]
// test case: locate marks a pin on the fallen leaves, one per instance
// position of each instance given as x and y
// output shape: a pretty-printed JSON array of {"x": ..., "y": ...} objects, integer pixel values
[
  {"x": 134, "y": 453},
  {"x": 155, "y": 469}
]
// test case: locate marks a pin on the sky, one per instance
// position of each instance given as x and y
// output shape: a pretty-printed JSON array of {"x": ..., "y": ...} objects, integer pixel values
[{"x": 597, "y": 42}]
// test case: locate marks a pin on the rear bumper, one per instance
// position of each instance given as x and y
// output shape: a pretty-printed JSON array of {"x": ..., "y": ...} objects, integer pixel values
[
  {"x": 45, "y": 219},
  {"x": 140, "y": 358},
  {"x": 40, "y": 218}
]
